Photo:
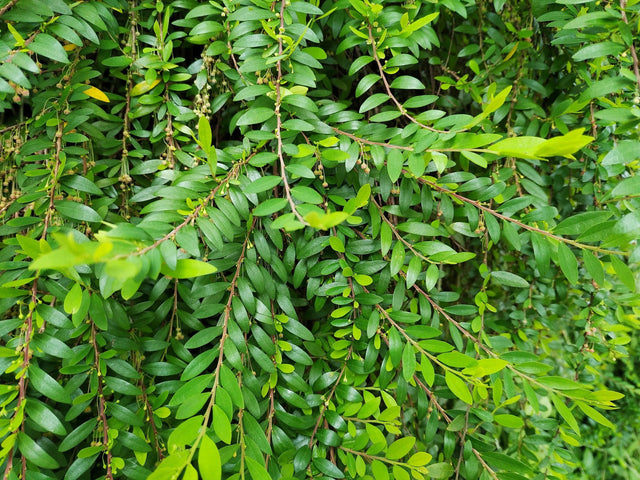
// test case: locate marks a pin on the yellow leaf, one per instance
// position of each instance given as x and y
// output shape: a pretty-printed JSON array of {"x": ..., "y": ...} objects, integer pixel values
[
  {"x": 144, "y": 87},
  {"x": 96, "y": 93},
  {"x": 69, "y": 47}
]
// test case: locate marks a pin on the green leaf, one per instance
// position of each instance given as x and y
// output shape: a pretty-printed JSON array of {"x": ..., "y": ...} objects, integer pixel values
[
  {"x": 255, "y": 115},
  {"x": 379, "y": 470},
  {"x": 306, "y": 194},
  {"x": 47, "y": 46},
  {"x": 593, "y": 266},
  {"x": 509, "y": 279},
  {"x": 47, "y": 386},
  {"x": 406, "y": 82},
  {"x": 209, "y": 463},
  {"x": 624, "y": 152},
  {"x": 565, "y": 413},
  {"x": 373, "y": 101},
  {"x": 594, "y": 415},
  {"x": 510, "y": 421},
  {"x": 413, "y": 271},
  {"x": 504, "y": 462},
  {"x": 221, "y": 424},
  {"x": 262, "y": 184},
  {"x": 188, "y": 268},
  {"x": 408, "y": 362},
  {"x": 458, "y": 387},
  {"x": 578, "y": 224},
  {"x": 33, "y": 452},
  {"x": 623, "y": 272},
  {"x": 627, "y": 187},
  {"x": 568, "y": 263},
  {"x": 397, "y": 258},
  {"x": 300, "y": 170},
  {"x": 326, "y": 467},
  {"x": 395, "y": 162},
  {"x": 77, "y": 211},
  {"x": 185, "y": 433},
  {"x": 73, "y": 299},
  {"x": 358, "y": 63},
  {"x": 269, "y": 207},
  {"x": 564, "y": 145},
  {"x": 485, "y": 366},
  {"x": 560, "y": 383},
  {"x": 428, "y": 372},
  {"x": 440, "y": 471},
  {"x": 418, "y": 23},
  {"x": 44, "y": 417},
  {"x": 400, "y": 448},
  {"x": 520, "y": 147},
  {"x": 596, "y": 50},
  {"x": 204, "y": 133}
]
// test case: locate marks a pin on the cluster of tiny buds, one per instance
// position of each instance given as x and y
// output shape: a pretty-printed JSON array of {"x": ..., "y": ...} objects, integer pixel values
[
  {"x": 125, "y": 180},
  {"x": 12, "y": 196},
  {"x": 587, "y": 348},
  {"x": 263, "y": 79},
  {"x": 591, "y": 331},
  {"x": 12, "y": 145},
  {"x": 363, "y": 166}
]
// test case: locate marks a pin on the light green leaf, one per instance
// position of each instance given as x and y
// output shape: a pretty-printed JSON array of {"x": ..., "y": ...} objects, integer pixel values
[
  {"x": 564, "y": 145},
  {"x": 520, "y": 147},
  {"x": 458, "y": 387},
  {"x": 565, "y": 413},
  {"x": 209, "y": 463},
  {"x": 509, "y": 421},
  {"x": 400, "y": 448},
  {"x": 188, "y": 268},
  {"x": 595, "y": 415}
]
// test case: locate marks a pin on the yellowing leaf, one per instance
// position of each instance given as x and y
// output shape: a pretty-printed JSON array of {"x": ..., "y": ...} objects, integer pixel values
[
  {"x": 69, "y": 47},
  {"x": 144, "y": 87},
  {"x": 96, "y": 93}
]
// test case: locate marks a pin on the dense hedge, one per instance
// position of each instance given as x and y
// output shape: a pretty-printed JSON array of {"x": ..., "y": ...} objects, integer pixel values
[{"x": 299, "y": 240}]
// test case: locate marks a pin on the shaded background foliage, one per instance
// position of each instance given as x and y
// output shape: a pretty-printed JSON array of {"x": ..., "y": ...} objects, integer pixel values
[{"x": 296, "y": 240}]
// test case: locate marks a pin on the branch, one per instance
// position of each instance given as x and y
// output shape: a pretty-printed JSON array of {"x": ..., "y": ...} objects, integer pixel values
[
  {"x": 189, "y": 218},
  {"x": 490, "y": 211},
  {"x": 102, "y": 415},
  {"x": 225, "y": 324},
  {"x": 634, "y": 56},
  {"x": 283, "y": 175},
  {"x": 387, "y": 87},
  {"x": 7, "y": 7}
]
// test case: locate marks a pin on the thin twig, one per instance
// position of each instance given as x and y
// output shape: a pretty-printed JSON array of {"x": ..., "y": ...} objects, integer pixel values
[
  {"x": 490, "y": 211},
  {"x": 387, "y": 87},
  {"x": 102, "y": 414},
  {"x": 8, "y": 6},
  {"x": 283, "y": 174},
  {"x": 634, "y": 56},
  {"x": 223, "y": 338}
]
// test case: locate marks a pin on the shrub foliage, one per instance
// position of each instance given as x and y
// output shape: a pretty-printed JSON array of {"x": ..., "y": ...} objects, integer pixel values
[{"x": 347, "y": 239}]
